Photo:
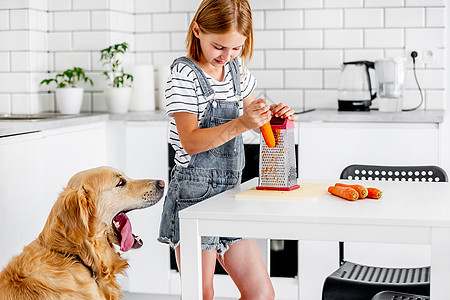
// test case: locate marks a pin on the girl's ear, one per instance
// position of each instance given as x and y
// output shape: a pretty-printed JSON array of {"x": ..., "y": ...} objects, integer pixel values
[{"x": 196, "y": 30}]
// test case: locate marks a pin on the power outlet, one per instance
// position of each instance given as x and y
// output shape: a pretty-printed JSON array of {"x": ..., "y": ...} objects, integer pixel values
[{"x": 426, "y": 55}]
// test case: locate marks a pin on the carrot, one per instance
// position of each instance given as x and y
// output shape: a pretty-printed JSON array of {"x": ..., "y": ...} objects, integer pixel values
[
  {"x": 267, "y": 133},
  {"x": 374, "y": 193},
  {"x": 344, "y": 192},
  {"x": 362, "y": 191}
]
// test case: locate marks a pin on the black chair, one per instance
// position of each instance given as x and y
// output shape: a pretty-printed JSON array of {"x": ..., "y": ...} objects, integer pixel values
[
  {"x": 389, "y": 295},
  {"x": 399, "y": 173},
  {"x": 353, "y": 281}
]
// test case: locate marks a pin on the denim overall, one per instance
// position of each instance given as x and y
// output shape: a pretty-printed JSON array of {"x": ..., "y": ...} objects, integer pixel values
[{"x": 208, "y": 173}]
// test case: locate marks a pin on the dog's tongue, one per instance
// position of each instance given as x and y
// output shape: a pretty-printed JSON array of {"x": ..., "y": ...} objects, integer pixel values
[{"x": 127, "y": 239}]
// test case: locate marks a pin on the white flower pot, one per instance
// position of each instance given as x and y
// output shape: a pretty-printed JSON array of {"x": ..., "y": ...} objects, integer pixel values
[
  {"x": 117, "y": 99},
  {"x": 69, "y": 100}
]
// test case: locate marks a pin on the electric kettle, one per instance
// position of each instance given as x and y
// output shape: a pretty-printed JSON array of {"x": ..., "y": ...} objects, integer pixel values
[{"x": 355, "y": 87}]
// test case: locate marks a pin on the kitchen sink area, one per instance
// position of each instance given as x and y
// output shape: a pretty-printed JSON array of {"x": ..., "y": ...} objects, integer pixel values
[
  {"x": 16, "y": 124},
  {"x": 34, "y": 117}
]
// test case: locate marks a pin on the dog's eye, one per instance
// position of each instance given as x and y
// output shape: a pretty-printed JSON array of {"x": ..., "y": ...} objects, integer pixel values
[{"x": 122, "y": 182}]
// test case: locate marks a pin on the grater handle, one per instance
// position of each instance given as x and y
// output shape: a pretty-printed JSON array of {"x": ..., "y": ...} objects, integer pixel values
[{"x": 267, "y": 133}]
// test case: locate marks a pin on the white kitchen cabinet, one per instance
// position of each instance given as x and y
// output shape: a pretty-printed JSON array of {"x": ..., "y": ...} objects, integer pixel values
[
  {"x": 22, "y": 186},
  {"x": 146, "y": 156},
  {"x": 70, "y": 150},
  {"x": 35, "y": 167},
  {"x": 326, "y": 148}
]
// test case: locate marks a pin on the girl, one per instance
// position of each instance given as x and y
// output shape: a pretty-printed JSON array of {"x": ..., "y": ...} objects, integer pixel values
[{"x": 210, "y": 101}]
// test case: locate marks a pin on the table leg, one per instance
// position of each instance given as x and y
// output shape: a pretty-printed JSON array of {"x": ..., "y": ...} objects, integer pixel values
[
  {"x": 440, "y": 264},
  {"x": 191, "y": 268}
]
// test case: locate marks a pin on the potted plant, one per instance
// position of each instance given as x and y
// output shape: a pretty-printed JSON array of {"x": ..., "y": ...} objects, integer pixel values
[
  {"x": 69, "y": 97},
  {"x": 118, "y": 93}
]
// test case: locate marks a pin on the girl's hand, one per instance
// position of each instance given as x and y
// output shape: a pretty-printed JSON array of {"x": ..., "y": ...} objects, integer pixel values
[
  {"x": 256, "y": 114},
  {"x": 283, "y": 111}
]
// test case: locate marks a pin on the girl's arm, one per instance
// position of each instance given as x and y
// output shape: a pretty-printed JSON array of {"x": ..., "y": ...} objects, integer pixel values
[{"x": 195, "y": 140}]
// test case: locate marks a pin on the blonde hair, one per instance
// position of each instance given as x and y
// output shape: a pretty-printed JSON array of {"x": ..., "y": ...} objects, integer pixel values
[{"x": 222, "y": 16}]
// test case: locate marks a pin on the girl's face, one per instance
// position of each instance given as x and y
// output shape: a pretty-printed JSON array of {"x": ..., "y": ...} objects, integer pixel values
[{"x": 218, "y": 49}]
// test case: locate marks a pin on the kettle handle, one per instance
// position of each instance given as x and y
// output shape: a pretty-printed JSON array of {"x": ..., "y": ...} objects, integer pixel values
[{"x": 370, "y": 65}]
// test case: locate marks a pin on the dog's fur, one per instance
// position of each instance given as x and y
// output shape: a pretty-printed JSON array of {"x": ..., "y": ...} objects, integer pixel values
[{"x": 73, "y": 257}]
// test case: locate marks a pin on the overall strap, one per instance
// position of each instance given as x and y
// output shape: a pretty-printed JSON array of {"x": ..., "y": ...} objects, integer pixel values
[
  {"x": 204, "y": 85},
  {"x": 234, "y": 68}
]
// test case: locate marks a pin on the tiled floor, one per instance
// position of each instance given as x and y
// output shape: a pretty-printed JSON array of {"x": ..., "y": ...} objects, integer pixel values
[{"x": 134, "y": 296}]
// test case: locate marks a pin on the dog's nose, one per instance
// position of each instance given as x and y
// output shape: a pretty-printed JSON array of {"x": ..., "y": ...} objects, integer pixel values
[{"x": 160, "y": 184}]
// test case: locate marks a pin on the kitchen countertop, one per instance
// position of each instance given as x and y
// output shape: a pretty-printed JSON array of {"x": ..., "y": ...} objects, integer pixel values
[
  {"x": 14, "y": 127},
  {"x": 374, "y": 116}
]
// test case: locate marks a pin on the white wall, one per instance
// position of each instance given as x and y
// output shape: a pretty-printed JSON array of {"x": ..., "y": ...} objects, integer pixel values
[{"x": 299, "y": 45}]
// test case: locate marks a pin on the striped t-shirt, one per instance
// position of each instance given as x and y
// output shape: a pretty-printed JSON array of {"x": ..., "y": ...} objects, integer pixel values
[{"x": 183, "y": 94}]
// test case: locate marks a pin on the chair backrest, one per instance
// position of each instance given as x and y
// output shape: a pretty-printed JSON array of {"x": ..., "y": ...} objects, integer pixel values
[
  {"x": 389, "y": 295},
  {"x": 395, "y": 173}
]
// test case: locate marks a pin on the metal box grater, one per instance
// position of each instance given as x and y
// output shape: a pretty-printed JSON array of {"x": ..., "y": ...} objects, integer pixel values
[{"x": 277, "y": 168}]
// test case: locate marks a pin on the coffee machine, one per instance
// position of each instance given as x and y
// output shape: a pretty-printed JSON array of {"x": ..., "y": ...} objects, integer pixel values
[{"x": 390, "y": 74}]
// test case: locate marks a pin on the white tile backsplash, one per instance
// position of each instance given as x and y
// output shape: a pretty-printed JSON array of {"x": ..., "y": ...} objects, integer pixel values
[
  {"x": 67, "y": 60},
  {"x": 89, "y": 40},
  {"x": 5, "y": 103},
  {"x": 269, "y": 79},
  {"x": 344, "y": 38},
  {"x": 100, "y": 20},
  {"x": 4, "y": 20},
  {"x": 5, "y": 62},
  {"x": 384, "y": 3},
  {"x": 19, "y": 19},
  {"x": 364, "y": 18},
  {"x": 152, "y": 42},
  {"x": 151, "y": 6},
  {"x": 435, "y": 17},
  {"x": 384, "y": 38},
  {"x": 17, "y": 40},
  {"x": 170, "y": 22},
  {"x": 90, "y": 5},
  {"x": 20, "y": 61},
  {"x": 56, "y": 5},
  {"x": 265, "y": 4},
  {"x": 421, "y": 37},
  {"x": 143, "y": 23},
  {"x": 324, "y": 18},
  {"x": 343, "y": 3},
  {"x": 323, "y": 59},
  {"x": 71, "y": 21},
  {"x": 405, "y": 17},
  {"x": 304, "y": 79},
  {"x": 303, "y": 4},
  {"x": 284, "y": 59},
  {"x": 14, "y": 4},
  {"x": 299, "y": 45},
  {"x": 268, "y": 39},
  {"x": 284, "y": 19},
  {"x": 304, "y": 39},
  {"x": 60, "y": 41}
]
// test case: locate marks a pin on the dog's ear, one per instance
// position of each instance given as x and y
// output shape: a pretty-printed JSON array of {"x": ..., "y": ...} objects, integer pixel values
[{"x": 78, "y": 214}]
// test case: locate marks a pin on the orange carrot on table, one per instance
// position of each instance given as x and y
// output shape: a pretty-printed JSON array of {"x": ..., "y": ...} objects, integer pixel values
[
  {"x": 267, "y": 133},
  {"x": 344, "y": 192},
  {"x": 362, "y": 191},
  {"x": 374, "y": 193}
]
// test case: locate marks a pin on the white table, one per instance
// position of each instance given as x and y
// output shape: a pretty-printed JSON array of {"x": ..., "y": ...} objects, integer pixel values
[{"x": 408, "y": 213}]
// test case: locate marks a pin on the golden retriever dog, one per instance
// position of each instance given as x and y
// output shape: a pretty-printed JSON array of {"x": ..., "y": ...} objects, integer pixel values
[{"x": 74, "y": 256}]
